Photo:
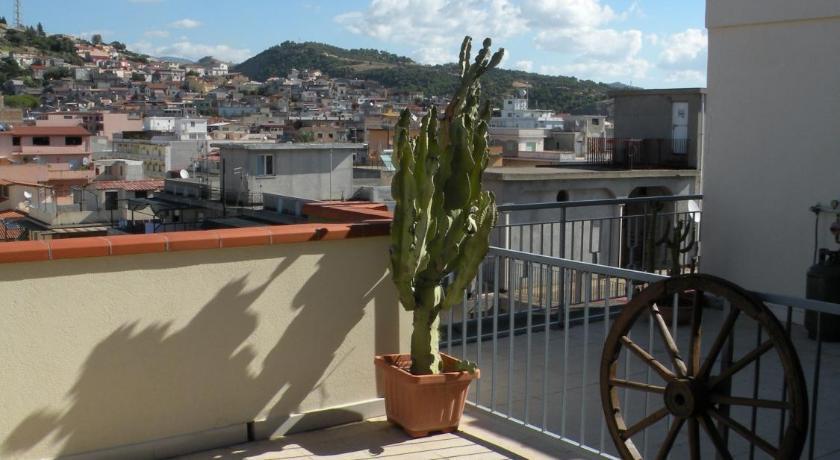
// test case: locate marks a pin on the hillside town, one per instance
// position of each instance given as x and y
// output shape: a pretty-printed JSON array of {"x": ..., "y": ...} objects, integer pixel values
[{"x": 97, "y": 140}]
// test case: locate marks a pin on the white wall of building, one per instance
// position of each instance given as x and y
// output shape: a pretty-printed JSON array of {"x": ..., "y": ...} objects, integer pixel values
[{"x": 773, "y": 151}]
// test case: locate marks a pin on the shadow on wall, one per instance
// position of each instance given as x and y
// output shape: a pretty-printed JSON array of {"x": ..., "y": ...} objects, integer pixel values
[{"x": 205, "y": 375}]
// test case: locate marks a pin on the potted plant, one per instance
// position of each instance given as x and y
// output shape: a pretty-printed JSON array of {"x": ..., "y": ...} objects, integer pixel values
[
  {"x": 439, "y": 236},
  {"x": 677, "y": 239}
]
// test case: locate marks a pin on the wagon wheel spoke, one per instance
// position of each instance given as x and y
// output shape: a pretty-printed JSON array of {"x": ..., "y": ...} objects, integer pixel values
[
  {"x": 751, "y": 402},
  {"x": 637, "y": 385},
  {"x": 696, "y": 333},
  {"x": 668, "y": 443},
  {"x": 714, "y": 435},
  {"x": 648, "y": 358},
  {"x": 644, "y": 423},
  {"x": 670, "y": 344},
  {"x": 741, "y": 363},
  {"x": 720, "y": 340},
  {"x": 745, "y": 433},
  {"x": 694, "y": 438}
]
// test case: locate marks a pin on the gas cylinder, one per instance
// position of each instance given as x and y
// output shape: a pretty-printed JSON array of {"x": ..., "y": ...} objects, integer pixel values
[{"x": 823, "y": 283}]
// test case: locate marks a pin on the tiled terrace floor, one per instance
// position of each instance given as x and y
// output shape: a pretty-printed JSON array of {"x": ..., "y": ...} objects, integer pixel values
[
  {"x": 572, "y": 403},
  {"x": 478, "y": 438}
]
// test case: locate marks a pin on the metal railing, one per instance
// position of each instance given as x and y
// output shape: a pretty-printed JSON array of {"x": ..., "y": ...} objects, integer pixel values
[
  {"x": 638, "y": 153},
  {"x": 629, "y": 233},
  {"x": 534, "y": 326}
]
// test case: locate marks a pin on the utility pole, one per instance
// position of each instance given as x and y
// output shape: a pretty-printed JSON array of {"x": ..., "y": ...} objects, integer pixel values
[{"x": 18, "y": 22}]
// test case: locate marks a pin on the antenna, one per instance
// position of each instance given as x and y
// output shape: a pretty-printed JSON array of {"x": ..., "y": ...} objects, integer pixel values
[{"x": 18, "y": 22}]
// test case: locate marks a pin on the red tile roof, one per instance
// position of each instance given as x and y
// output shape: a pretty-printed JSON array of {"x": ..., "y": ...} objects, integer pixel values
[
  {"x": 132, "y": 185},
  {"x": 46, "y": 131},
  {"x": 12, "y": 214}
]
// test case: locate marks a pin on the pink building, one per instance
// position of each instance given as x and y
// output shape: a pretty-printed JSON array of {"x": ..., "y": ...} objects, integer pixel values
[
  {"x": 98, "y": 123},
  {"x": 64, "y": 151}
]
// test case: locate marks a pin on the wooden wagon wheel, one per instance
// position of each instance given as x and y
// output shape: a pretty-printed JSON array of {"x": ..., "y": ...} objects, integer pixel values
[{"x": 691, "y": 394}]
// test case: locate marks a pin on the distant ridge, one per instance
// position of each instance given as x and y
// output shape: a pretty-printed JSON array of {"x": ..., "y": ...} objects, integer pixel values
[
  {"x": 402, "y": 74},
  {"x": 177, "y": 60}
]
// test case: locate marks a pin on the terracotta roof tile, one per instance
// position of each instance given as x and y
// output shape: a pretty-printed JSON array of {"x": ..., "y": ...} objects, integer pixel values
[{"x": 131, "y": 185}]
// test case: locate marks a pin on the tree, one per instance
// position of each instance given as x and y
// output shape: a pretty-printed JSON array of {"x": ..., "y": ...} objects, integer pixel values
[
  {"x": 56, "y": 73},
  {"x": 119, "y": 46},
  {"x": 96, "y": 39},
  {"x": 40, "y": 29},
  {"x": 3, "y": 20},
  {"x": 23, "y": 101}
]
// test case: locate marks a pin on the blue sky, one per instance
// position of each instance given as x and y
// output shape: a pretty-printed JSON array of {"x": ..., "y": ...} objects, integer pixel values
[{"x": 649, "y": 43}]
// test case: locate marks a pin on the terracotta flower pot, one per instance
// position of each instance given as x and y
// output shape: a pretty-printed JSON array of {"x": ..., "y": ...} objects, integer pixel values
[{"x": 421, "y": 404}]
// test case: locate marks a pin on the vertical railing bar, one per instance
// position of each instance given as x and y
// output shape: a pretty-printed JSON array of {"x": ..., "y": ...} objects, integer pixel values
[
  {"x": 756, "y": 375},
  {"x": 529, "y": 323},
  {"x": 480, "y": 302},
  {"x": 629, "y": 294},
  {"x": 606, "y": 333},
  {"x": 449, "y": 331},
  {"x": 464, "y": 324},
  {"x": 565, "y": 307},
  {"x": 788, "y": 322},
  {"x": 815, "y": 392},
  {"x": 647, "y": 380},
  {"x": 496, "y": 295},
  {"x": 551, "y": 239},
  {"x": 587, "y": 293},
  {"x": 546, "y": 330},
  {"x": 511, "y": 310}
]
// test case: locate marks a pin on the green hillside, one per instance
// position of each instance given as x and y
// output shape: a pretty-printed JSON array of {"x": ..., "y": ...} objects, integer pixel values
[{"x": 562, "y": 94}]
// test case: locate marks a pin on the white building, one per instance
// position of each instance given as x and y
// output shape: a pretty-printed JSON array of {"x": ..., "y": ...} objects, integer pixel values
[
  {"x": 516, "y": 114},
  {"x": 181, "y": 128},
  {"x": 774, "y": 68}
]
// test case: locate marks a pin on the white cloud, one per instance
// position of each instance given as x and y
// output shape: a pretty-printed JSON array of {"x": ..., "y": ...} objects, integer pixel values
[
  {"x": 592, "y": 42},
  {"x": 525, "y": 65},
  {"x": 602, "y": 70},
  {"x": 185, "y": 23},
  {"x": 436, "y": 24},
  {"x": 682, "y": 76},
  {"x": 685, "y": 46},
  {"x": 156, "y": 33},
  {"x": 573, "y": 14},
  {"x": 190, "y": 50}
]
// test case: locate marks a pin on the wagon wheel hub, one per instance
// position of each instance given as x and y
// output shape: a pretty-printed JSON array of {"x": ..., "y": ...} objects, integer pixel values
[{"x": 685, "y": 397}]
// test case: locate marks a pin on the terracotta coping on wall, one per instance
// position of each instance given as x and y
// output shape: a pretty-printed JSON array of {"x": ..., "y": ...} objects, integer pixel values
[{"x": 360, "y": 221}]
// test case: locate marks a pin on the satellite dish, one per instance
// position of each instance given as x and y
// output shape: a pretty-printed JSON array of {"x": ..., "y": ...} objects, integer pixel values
[
  {"x": 184, "y": 174},
  {"x": 27, "y": 195},
  {"x": 85, "y": 161}
]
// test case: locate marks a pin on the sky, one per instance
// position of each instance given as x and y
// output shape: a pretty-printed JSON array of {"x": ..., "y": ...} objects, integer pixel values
[{"x": 647, "y": 43}]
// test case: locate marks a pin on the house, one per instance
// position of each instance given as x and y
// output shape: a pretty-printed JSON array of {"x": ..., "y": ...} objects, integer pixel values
[
  {"x": 309, "y": 171},
  {"x": 520, "y": 131},
  {"x": 659, "y": 126}
]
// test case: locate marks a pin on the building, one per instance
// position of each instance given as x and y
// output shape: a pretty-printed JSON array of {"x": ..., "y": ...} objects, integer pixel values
[
  {"x": 104, "y": 124},
  {"x": 309, "y": 171},
  {"x": 63, "y": 151},
  {"x": 772, "y": 142},
  {"x": 520, "y": 131},
  {"x": 180, "y": 127},
  {"x": 662, "y": 127}
]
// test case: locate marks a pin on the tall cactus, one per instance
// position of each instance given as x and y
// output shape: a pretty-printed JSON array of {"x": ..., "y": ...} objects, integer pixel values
[
  {"x": 676, "y": 239},
  {"x": 442, "y": 220}
]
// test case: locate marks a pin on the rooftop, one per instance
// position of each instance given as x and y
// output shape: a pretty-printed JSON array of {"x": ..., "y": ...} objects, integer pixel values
[
  {"x": 46, "y": 131},
  {"x": 289, "y": 146}
]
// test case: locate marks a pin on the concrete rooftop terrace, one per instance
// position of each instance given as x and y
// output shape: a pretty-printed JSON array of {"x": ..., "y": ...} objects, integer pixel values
[{"x": 528, "y": 173}]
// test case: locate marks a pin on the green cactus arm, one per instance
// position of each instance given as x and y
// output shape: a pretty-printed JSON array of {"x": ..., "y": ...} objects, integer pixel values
[
  {"x": 404, "y": 257},
  {"x": 472, "y": 251}
]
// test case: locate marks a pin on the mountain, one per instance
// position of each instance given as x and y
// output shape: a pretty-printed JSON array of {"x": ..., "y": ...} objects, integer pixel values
[
  {"x": 175, "y": 59},
  {"x": 558, "y": 93}
]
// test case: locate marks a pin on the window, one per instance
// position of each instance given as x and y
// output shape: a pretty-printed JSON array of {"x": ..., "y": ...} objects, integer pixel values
[
  {"x": 4, "y": 191},
  {"x": 41, "y": 140},
  {"x": 265, "y": 165},
  {"x": 596, "y": 121},
  {"x": 141, "y": 194},
  {"x": 192, "y": 124},
  {"x": 73, "y": 140},
  {"x": 68, "y": 117},
  {"x": 110, "y": 200},
  {"x": 16, "y": 140}
]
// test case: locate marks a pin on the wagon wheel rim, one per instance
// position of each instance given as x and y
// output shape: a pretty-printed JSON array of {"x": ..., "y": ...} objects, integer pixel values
[{"x": 690, "y": 390}]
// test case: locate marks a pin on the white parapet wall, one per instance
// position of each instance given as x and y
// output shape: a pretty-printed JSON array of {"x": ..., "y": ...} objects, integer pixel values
[{"x": 158, "y": 354}]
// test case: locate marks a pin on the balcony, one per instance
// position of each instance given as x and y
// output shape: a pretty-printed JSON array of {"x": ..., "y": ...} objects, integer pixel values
[
  {"x": 189, "y": 343},
  {"x": 642, "y": 153}
]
